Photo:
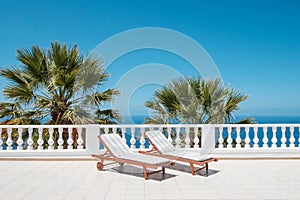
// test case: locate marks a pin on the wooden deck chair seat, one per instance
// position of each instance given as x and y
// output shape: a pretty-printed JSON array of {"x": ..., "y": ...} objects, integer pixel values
[
  {"x": 163, "y": 148},
  {"x": 118, "y": 151}
]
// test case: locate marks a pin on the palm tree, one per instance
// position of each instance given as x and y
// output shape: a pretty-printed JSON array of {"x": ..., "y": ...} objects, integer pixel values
[
  {"x": 58, "y": 85},
  {"x": 195, "y": 101}
]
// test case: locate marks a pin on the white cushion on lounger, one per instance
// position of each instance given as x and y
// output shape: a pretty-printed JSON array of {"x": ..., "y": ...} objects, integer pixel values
[
  {"x": 187, "y": 155},
  {"x": 115, "y": 144},
  {"x": 160, "y": 141},
  {"x": 152, "y": 160}
]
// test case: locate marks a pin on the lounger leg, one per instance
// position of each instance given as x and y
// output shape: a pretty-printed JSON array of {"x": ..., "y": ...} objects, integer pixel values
[
  {"x": 163, "y": 170},
  {"x": 192, "y": 168},
  {"x": 145, "y": 173},
  {"x": 206, "y": 167}
]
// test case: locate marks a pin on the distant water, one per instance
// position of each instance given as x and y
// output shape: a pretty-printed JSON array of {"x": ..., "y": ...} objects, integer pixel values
[{"x": 139, "y": 119}]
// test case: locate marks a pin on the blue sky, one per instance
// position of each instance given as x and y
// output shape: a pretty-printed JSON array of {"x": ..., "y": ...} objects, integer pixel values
[{"x": 255, "y": 44}]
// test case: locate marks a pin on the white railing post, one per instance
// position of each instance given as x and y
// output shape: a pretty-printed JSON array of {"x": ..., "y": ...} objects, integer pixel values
[
  {"x": 70, "y": 140},
  {"x": 60, "y": 140},
  {"x": 247, "y": 138},
  {"x": 178, "y": 141},
  {"x": 50, "y": 140},
  {"x": 208, "y": 138},
  {"x": 220, "y": 139},
  {"x": 92, "y": 143},
  {"x": 20, "y": 140},
  {"x": 9, "y": 141},
  {"x": 142, "y": 140},
  {"x": 40, "y": 140},
  {"x": 292, "y": 138},
  {"x": 79, "y": 140},
  {"x": 274, "y": 139},
  {"x": 187, "y": 137},
  {"x": 30, "y": 140},
  {"x": 196, "y": 139},
  {"x": 265, "y": 138},
  {"x": 255, "y": 139},
  {"x": 238, "y": 137},
  {"x": 229, "y": 139},
  {"x": 132, "y": 139},
  {"x": 283, "y": 138},
  {"x": 1, "y": 141}
]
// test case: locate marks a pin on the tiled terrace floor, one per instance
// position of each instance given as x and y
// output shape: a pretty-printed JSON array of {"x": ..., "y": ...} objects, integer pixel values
[{"x": 227, "y": 179}]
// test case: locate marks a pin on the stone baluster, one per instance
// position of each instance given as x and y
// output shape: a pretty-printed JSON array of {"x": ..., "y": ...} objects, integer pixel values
[
  {"x": 292, "y": 138},
  {"x": 247, "y": 138},
  {"x": 20, "y": 140},
  {"x": 9, "y": 141},
  {"x": 283, "y": 138},
  {"x": 255, "y": 139},
  {"x": 238, "y": 137},
  {"x": 220, "y": 139},
  {"x": 40, "y": 140},
  {"x": 124, "y": 134},
  {"x": 79, "y": 140},
  {"x": 274, "y": 138},
  {"x": 142, "y": 140},
  {"x": 265, "y": 138},
  {"x": 160, "y": 129},
  {"x": 50, "y": 140},
  {"x": 178, "y": 141},
  {"x": 106, "y": 130},
  {"x": 114, "y": 129},
  {"x": 1, "y": 141},
  {"x": 169, "y": 130},
  {"x": 196, "y": 139},
  {"x": 30, "y": 140},
  {"x": 60, "y": 140},
  {"x": 132, "y": 139},
  {"x": 229, "y": 139},
  {"x": 70, "y": 139},
  {"x": 187, "y": 137}
]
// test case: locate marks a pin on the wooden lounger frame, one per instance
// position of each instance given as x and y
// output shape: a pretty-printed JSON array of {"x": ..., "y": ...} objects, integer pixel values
[
  {"x": 109, "y": 156},
  {"x": 155, "y": 152}
]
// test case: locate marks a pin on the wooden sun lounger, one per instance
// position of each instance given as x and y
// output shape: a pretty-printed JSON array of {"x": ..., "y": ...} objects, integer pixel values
[
  {"x": 118, "y": 151},
  {"x": 163, "y": 148}
]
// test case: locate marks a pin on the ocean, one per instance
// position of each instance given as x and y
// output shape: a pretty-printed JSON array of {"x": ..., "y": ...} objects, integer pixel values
[{"x": 139, "y": 119}]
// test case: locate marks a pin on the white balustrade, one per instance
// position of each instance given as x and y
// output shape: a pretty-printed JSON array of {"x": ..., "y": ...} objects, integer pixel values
[{"x": 80, "y": 137}]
